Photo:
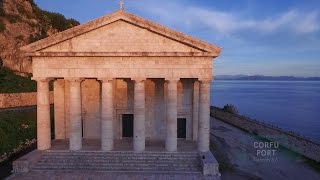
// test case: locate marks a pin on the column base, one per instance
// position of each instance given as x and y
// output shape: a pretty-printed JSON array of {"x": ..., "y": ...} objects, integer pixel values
[{"x": 171, "y": 145}]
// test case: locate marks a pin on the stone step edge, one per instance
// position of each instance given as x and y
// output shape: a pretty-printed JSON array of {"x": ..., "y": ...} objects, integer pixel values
[
  {"x": 127, "y": 171},
  {"x": 115, "y": 151},
  {"x": 120, "y": 171},
  {"x": 115, "y": 163},
  {"x": 114, "y": 154},
  {"x": 117, "y": 155},
  {"x": 111, "y": 166},
  {"x": 114, "y": 167},
  {"x": 120, "y": 158}
]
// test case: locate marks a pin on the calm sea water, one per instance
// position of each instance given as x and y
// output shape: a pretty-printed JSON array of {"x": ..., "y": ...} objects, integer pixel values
[{"x": 291, "y": 105}]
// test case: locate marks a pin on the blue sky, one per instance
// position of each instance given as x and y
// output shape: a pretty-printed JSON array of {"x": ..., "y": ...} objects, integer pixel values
[{"x": 268, "y": 37}]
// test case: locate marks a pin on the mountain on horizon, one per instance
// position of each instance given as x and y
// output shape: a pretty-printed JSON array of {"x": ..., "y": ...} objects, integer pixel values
[{"x": 262, "y": 77}]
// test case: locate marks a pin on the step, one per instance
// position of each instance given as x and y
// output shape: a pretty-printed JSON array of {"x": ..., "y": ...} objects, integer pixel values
[
  {"x": 119, "y": 161},
  {"x": 118, "y": 158},
  {"x": 121, "y": 154},
  {"x": 118, "y": 168}
]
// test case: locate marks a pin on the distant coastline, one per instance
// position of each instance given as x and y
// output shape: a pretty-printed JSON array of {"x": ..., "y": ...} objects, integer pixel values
[{"x": 265, "y": 78}]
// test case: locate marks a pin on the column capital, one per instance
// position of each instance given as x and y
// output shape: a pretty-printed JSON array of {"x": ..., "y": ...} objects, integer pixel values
[
  {"x": 205, "y": 81},
  {"x": 73, "y": 79},
  {"x": 106, "y": 79},
  {"x": 137, "y": 80},
  {"x": 42, "y": 79}
]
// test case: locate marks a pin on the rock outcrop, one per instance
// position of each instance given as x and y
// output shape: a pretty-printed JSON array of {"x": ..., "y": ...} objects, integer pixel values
[{"x": 23, "y": 22}]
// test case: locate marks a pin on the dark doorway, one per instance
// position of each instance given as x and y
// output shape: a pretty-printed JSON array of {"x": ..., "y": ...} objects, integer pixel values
[
  {"x": 181, "y": 127},
  {"x": 127, "y": 125}
]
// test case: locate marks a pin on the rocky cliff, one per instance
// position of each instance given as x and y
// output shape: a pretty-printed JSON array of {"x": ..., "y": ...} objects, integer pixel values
[{"x": 23, "y": 22}]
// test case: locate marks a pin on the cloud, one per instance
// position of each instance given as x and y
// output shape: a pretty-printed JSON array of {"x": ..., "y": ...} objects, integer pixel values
[
  {"x": 229, "y": 22},
  {"x": 292, "y": 21}
]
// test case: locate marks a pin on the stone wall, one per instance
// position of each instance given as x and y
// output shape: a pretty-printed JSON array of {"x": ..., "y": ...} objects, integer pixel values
[
  {"x": 294, "y": 142},
  {"x": 11, "y": 100}
]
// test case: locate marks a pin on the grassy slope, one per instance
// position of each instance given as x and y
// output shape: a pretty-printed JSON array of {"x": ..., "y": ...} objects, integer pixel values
[
  {"x": 15, "y": 128},
  {"x": 12, "y": 83}
]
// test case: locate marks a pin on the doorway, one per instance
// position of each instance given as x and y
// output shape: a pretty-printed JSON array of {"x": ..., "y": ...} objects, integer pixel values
[
  {"x": 127, "y": 125},
  {"x": 181, "y": 127}
]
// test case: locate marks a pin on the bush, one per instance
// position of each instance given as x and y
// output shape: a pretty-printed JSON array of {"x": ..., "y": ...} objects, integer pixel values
[
  {"x": 37, "y": 37},
  {"x": 58, "y": 21},
  {"x": 1, "y": 8},
  {"x": 20, "y": 38},
  {"x": 22, "y": 11},
  {"x": 2, "y": 26},
  {"x": 230, "y": 109},
  {"x": 12, "y": 83},
  {"x": 1, "y": 12},
  {"x": 49, "y": 19},
  {"x": 13, "y": 18}
]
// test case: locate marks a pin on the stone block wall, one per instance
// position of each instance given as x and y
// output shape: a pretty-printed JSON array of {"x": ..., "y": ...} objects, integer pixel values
[
  {"x": 294, "y": 142},
  {"x": 11, "y": 100},
  {"x": 90, "y": 97},
  {"x": 156, "y": 98},
  {"x": 120, "y": 36}
]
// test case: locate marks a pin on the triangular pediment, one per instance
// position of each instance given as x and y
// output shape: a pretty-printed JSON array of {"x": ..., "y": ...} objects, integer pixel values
[{"x": 121, "y": 32}]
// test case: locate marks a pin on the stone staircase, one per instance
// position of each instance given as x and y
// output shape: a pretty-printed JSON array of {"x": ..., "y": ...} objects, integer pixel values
[{"x": 119, "y": 161}]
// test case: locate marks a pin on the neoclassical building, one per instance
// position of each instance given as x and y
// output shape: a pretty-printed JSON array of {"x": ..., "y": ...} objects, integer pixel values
[{"x": 122, "y": 76}]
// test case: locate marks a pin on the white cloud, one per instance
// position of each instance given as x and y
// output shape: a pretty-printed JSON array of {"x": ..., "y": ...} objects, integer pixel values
[
  {"x": 223, "y": 22},
  {"x": 292, "y": 21}
]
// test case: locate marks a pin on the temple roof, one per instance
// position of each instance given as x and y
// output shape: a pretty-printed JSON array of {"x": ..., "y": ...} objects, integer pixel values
[{"x": 201, "y": 46}]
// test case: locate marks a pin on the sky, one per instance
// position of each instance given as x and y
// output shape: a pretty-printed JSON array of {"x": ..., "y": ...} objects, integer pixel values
[{"x": 267, "y": 37}]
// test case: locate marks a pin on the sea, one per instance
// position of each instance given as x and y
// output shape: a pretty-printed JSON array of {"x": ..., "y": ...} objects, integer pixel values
[{"x": 290, "y": 105}]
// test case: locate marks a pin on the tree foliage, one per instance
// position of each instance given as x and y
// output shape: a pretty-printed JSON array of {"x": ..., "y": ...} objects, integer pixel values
[
  {"x": 2, "y": 26},
  {"x": 230, "y": 109},
  {"x": 49, "y": 20},
  {"x": 1, "y": 8}
]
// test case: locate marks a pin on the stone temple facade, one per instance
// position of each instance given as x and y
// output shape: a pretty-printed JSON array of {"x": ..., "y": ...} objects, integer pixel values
[{"x": 122, "y": 76}]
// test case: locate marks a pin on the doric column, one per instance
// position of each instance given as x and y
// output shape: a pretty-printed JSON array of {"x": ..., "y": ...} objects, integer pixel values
[
  {"x": 59, "y": 109},
  {"x": 195, "y": 107},
  {"x": 43, "y": 114},
  {"x": 204, "y": 116},
  {"x": 172, "y": 103},
  {"x": 75, "y": 114},
  {"x": 107, "y": 115},
  {"x": 139, "y": 115}
]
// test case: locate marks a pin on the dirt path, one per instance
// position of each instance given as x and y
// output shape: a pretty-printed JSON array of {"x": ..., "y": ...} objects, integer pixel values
[{"x": 236, "y": 150}]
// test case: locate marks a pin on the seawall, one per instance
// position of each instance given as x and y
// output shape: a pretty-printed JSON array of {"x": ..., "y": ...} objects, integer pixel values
[
  {"x": 11, "y": 100},
  {"x": 294, "y": 142}
]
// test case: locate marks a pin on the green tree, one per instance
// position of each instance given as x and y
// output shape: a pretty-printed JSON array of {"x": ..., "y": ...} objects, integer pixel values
[{"x": 230, "y": 109}]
